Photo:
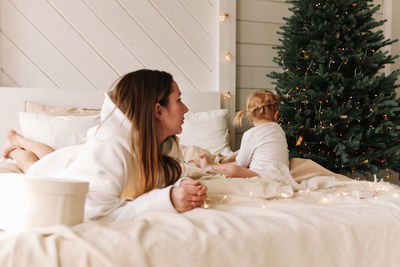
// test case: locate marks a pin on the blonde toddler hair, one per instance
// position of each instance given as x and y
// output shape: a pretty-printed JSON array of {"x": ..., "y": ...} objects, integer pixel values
[{"x": 261, "y": 104}]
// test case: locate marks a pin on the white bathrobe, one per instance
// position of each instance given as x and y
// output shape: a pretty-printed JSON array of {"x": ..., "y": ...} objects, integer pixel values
[{"x": 104, "y": 162}]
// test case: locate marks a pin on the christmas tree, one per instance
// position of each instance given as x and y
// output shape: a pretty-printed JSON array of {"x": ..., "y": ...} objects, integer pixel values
[{"x": 337, "y": 105}]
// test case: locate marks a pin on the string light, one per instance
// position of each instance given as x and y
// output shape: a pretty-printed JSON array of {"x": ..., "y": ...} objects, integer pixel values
[
  {"x": 223, "y": 16},
  {"x": 227, "y": 95},
  {"x": 284, "y": 195},
  {"x": 228, "y": 56}
]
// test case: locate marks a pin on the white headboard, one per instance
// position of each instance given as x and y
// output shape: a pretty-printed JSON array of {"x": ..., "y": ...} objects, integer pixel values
[{"x": 13, "y": 101}]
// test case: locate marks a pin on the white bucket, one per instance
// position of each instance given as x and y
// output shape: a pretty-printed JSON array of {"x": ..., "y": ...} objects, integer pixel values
[{"x": 31, "y": 201}]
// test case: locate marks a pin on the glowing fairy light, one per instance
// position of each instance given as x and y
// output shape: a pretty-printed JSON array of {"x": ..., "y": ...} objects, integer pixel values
[
  {"x": 284, "y": 195},
  {"x": 227, "y": 95},
  {"x": 223, "y": 16}
]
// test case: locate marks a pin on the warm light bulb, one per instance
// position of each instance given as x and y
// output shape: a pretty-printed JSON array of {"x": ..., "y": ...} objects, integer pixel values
[
  {"x": 228, "y": 56},
  {"x": 284, "y": 195},
  {"x": 223, "y": 16},
  {"x": 227, "y": 95}
]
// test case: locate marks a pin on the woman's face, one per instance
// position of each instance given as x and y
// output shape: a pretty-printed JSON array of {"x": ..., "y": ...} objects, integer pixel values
[{"x": 171, "y": 117}]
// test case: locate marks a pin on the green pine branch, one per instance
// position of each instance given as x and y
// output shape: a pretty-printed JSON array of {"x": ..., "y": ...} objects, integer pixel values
[{"x": 337, "y": 106}]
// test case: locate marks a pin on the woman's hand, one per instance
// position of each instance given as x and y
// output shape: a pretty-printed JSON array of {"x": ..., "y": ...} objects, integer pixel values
[{"x": 188, "y": 195}]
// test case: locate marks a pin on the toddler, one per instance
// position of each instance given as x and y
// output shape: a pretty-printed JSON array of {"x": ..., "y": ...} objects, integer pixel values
[{"x": 261, "y": 145}]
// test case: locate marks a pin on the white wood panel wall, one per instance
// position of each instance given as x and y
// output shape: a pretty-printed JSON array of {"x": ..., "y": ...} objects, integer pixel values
[
  {"x": 227, "y": 64},
  {"x": 395, "y": 31},
  {"x": 257, "y": 24},
  {"x": 88, "y": 44}
]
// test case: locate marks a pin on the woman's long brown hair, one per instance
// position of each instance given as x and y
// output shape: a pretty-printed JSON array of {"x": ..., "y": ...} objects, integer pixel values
[{"x": 136, "y": 95}]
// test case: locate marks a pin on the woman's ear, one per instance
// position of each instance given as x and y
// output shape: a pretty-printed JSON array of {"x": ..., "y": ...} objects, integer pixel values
[{"x": 158, "y": 111}]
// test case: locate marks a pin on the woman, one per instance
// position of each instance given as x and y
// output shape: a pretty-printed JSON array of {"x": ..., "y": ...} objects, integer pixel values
[{"x": 130, "y": 159}]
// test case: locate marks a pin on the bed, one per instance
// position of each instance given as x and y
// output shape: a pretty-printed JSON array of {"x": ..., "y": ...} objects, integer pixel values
[{"x": 310, "y": 217}]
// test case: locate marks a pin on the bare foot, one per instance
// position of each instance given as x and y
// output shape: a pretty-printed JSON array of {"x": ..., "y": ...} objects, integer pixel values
[
  {"x": 11, "y": 144},
  {"x": 203, "y": 161},
  {"x": 24, "y": 158}
]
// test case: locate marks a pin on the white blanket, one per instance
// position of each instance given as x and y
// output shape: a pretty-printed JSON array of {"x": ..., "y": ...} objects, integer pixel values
[
  {"x": 305, "y": 231},
  {"x": 278, "y": 182},
  {"x": 244, "y": 222}
]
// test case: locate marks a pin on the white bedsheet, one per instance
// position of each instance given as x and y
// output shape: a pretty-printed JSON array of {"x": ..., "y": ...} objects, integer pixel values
[
  {"x": 327, "y": 227},
  {"x": 265, "y": 221}
]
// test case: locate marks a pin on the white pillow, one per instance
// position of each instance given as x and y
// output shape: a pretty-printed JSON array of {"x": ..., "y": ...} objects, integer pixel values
[
  {"x": 56, "y": 131},
  {"x": 207, "y": 130}
]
